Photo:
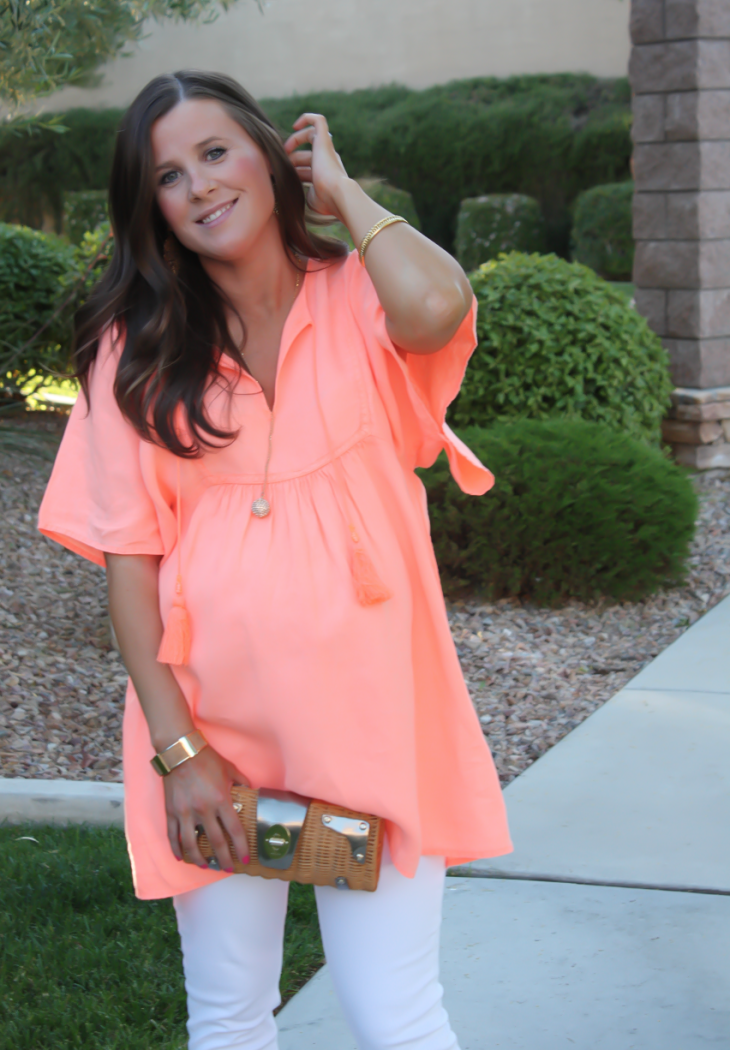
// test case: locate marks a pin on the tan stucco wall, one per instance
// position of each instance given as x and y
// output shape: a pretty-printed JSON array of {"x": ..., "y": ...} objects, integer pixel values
[{"x": 303, "y": 45}]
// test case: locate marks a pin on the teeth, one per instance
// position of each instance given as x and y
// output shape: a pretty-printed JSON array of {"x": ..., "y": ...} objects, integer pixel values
[{"x": 216, "y": 214}]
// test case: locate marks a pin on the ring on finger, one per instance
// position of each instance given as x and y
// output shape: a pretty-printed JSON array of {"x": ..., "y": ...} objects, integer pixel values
[{"x": 212, "y": 860}]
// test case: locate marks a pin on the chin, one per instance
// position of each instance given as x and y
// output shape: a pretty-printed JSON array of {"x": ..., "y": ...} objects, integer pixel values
[
  {"x": 226, "y": 253},
  {"x": 230, "y": 245}
]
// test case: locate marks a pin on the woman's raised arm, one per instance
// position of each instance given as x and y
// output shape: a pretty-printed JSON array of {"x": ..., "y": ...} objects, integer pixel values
[{"x": 423, "y": 290}]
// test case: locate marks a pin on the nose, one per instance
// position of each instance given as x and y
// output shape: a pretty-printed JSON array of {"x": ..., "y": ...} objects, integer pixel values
[{"x": 200, "y": 184}]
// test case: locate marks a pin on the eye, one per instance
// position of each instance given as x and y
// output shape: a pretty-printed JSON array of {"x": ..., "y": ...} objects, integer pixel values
[
  {"x": 168, "y": 178},
  {"x": 215, "y": 153}
]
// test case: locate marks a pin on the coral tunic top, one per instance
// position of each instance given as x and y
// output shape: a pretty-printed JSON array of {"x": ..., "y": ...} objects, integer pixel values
[{"x": 291, "y": 676}]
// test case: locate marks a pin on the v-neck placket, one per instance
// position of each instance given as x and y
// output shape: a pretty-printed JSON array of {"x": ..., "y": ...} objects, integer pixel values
[{"x": 297, "y": 320}]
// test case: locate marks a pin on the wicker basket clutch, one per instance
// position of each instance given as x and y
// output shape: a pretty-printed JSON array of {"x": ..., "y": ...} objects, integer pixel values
[{"x": 303, "y": 840}]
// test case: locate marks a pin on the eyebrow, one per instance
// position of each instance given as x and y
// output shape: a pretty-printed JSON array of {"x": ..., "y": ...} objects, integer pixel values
[{"x": 198, "y": 145}]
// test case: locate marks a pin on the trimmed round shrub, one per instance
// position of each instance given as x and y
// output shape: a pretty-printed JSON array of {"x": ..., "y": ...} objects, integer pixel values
[
  {"x": 33, "y": 268},
  {"x": 392, "y": 199},
  {"x": 499, "y": 222},
  {"x": 397, "y": 201},
  {"x": 84, "y": 211},
  {"x": 546, "y": 136},
  {"x": 43, "y": 280},
  {"x": 602, "y": 230},
  {"x": 557, "y": 340},
  {"x": 577, "y": 511}
]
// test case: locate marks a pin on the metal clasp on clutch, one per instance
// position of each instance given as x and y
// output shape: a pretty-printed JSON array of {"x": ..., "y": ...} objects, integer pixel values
[
  {"x": 279, "y": 822},
  {"x": 355, "y": 831}
]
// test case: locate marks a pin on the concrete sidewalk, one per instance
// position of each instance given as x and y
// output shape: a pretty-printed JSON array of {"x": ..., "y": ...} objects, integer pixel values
[
  {"x": 549, "y": 966},
  {"x": 586, "y": 936},
  {"x": 640, "y": 792},
  {"x": 61, "y": 801}
]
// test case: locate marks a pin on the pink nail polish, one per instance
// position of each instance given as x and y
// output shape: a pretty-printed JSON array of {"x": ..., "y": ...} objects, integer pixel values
[
  {"x": 204, "y": 867},
  {"x": 245, "y": 860}
]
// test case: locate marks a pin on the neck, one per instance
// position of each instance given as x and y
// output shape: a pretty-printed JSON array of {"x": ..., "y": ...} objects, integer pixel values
[{"x": 259, "y": 284}]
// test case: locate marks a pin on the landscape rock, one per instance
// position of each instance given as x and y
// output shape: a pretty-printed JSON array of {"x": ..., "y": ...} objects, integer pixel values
[{"x": 534, "y": 674}]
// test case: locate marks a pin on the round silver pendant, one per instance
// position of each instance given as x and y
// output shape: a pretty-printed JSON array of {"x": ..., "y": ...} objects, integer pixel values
[{"x": 260, "y": 507}]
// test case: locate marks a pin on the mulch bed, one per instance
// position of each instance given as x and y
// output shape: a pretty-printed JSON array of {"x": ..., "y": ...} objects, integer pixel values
[{"x": 534, "y": 674}]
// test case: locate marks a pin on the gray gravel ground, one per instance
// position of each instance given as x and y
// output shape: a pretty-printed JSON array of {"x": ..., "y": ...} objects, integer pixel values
[{"x": 534, "y": 674}]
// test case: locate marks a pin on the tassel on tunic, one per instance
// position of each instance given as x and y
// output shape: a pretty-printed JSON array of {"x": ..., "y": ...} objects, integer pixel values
[{"x": 178, "y": 634}]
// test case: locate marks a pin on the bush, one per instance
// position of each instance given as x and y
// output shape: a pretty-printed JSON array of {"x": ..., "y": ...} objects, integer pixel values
[
  {"x": 546, "y": 136},
  {"x": 392, "y": 199},
  {"x": 38, "y": 168},
  {"x": 577, "y": 511},
  {"x": 43, "y": 280},
  {"x": 33, "y": 266},
  {"x": 602, "y": 230},
  {"x": 84, "y": 211},
  {"x": 395, "y": 200},
  {"x": 500, "y": 222},
  {"x": 556, "y": 340},
  {"x": 351, "y": 115}
]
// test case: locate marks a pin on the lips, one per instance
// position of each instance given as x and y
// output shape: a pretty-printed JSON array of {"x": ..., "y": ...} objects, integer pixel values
[{"x": 216, "y": 214}]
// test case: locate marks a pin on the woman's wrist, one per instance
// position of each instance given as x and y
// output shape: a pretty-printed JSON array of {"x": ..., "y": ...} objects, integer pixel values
[
  {"x": 341, "y": 193},
  {"x": 165, "y": 736},
  {"x": 188, "y": 746},
  {"x": 356, "y": 210}
]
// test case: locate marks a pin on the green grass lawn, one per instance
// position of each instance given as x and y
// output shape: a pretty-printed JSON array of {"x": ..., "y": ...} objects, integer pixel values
[{"x": 83, "y": 963}]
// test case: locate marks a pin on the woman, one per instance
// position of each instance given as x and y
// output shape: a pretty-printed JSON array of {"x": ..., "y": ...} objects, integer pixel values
[{"x": 243, "y": 465}]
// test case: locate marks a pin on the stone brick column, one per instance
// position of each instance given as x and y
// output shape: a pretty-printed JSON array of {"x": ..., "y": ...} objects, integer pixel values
[{"x": 680, "y": 76}]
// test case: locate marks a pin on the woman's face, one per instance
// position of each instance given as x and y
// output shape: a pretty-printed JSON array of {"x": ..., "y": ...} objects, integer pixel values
[{"x": 213, "y": 183}]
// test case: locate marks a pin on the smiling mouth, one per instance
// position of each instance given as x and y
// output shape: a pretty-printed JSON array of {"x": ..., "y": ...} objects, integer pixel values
[{"x": 216, "y": 214}]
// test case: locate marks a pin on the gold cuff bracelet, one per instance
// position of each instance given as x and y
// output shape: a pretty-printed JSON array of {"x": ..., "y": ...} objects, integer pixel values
[{"x": 174, "y": 755}]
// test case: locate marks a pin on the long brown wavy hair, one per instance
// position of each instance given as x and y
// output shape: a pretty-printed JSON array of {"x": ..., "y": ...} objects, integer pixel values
[{"x": 174, "y": 324}]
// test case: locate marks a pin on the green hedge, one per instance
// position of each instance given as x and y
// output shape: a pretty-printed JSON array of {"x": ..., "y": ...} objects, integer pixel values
[
  {"x": 577, "y": 511},
  {"x": 556, "y": 340},
  {"x": 602, "y": 235},
  {"x": 33, "y": 268},
  {"x": 38, "y": 168},
  {"x": 84, "y": 211},
  {"x": 499, "y": 222},
  {"x": 545, "y": 136},
  {"x": 397, "y": 201},
  {"x": 42, "y": 281},
  {"x": 400, "y": 202}
]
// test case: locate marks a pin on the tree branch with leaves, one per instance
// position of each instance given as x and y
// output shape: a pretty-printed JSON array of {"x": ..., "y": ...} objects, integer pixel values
[{"x": 49, "y": 44}]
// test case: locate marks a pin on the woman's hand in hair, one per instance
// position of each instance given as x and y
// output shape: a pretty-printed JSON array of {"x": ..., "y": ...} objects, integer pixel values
[
  {"x": 424, "y": 292},
  {"x": 319, "y": 165}
]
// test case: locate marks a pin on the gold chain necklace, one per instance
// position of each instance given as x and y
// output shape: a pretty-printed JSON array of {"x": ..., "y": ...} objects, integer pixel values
[{"x": 261, "y": 507}]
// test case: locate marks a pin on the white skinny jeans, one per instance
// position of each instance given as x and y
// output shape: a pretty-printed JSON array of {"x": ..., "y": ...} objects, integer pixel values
[{"x": 382, "y": 949}]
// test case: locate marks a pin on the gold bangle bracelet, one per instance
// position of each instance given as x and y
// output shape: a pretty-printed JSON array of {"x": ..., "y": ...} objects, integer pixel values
[
  {"x": 173, "y": 756},
  {"x": 375, "y": 230}
]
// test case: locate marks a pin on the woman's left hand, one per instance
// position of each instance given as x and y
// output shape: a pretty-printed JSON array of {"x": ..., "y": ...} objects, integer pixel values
[
  {"x": 424, "y": 292},
  {"x": 319, "y": 166}
]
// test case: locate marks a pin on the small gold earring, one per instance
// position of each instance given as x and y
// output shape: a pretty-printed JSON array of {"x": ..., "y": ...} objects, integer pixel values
[
  {"x": 276, "y": 206},
  {"x": 171, "y": 253}
]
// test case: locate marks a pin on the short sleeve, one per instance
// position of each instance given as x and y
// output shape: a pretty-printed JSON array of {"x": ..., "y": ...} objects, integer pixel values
[
  {"x": 417, "y": 389},
  {"x": 102, "y": 495}
]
